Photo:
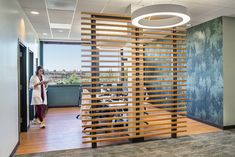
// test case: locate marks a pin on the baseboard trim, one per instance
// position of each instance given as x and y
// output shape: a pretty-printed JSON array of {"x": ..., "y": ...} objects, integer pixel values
[
  {"x": 228, "y": 127},
  {"x": 15, "y": 148},
  {"x": 208, "y": 123}
]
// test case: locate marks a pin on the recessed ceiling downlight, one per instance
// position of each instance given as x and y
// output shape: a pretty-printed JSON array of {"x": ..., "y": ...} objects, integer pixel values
[
  {"x": 34, "y": 12},
  {"x": 165, "y": 16}
]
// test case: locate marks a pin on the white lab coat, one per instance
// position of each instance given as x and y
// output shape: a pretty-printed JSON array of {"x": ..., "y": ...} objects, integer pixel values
[{"x": 36, "y": 94}]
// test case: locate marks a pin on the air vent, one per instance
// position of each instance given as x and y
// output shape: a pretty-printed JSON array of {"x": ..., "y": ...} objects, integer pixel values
[{"x": 61, "y": 4}]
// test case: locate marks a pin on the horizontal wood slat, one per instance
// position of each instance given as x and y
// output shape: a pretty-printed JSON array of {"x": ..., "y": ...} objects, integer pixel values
[
  {"x": 139, "y": 116},
  {"x": 107, "y": 14},
  {"x": 141, "y": 68},
  {"x": 131, "y": 132},
  {"x": 134, "y": 76},
  {"x": 136, "y": 136},
  {"x": 129, "y": 26},
  {"x": 132, "y": 41},
  {"x": 134, "y": 81},
  {"x": 128, "y": 127},
  {"x": 141, "y": 71},
  {"x": 148, "y": 86},
  {"x": 132, "y": 122},
  {"x": 130, "y": 36},
  {"x": 123, "y": 97},
  {"x": 142, "y": 61},
  {"x": 142, "y": 106},
  {"x": 105, "y": 19},
  {"x": 128, "y": 46},
  {"x": 139, "y": 111},
  {"x": 140, "y": 47},
  {"x": 131, "y": 53},
  {"x": 106, "y": 24},
  {"x": 149, "y": 91},
  {"x": 111, "y": 56},
  {"x": 117, "y": 42},
  {"x": 134, "y": 31}
]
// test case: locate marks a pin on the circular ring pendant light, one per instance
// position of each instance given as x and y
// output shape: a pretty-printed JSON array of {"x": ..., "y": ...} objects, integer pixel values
[{"x": 169, "y": 15}]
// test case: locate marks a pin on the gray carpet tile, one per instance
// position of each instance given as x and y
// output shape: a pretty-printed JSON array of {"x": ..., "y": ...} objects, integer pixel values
[{"x": 218, "y": 144}]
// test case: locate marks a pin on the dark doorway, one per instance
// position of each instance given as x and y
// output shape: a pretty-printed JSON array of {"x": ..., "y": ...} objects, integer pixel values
[
  {"x": 23, "y": 87},
  {"x": 31, "y": 66}
]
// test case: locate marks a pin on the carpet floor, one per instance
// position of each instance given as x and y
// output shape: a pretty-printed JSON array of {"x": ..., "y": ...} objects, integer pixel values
[{"x": 218, "y": 144}]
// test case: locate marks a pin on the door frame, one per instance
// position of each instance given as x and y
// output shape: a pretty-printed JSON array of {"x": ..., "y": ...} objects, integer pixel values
[
  {"x": 22, "y": 96},
  {"x": 30, "y": 73}
]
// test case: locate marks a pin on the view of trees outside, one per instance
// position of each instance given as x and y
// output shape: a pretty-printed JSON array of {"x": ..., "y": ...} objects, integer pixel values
[
  {"x": 107, "y": 77},
  {"x": 62, "y": 63},
  {"x": 63, "y": 77}
]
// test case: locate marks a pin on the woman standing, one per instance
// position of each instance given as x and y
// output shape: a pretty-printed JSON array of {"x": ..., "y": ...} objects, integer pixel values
[{"x": 39, "y": 97}]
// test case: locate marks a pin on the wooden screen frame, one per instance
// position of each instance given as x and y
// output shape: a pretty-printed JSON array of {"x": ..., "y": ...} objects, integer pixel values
[{"x": 171, "y": 41}]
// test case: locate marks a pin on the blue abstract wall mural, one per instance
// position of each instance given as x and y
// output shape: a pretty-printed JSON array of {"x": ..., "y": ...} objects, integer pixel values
[{"x": 205, "y": 72}]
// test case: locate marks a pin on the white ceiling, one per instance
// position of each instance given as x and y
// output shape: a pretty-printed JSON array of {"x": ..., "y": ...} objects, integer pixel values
[{"x": 67, "y": 12}]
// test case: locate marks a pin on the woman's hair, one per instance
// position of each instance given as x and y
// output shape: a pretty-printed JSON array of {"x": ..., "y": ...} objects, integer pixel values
[{"x": 38, "y": 68}]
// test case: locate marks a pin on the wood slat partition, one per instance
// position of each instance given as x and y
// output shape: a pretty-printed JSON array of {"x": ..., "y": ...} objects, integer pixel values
[{"x": 133, "y": 80}]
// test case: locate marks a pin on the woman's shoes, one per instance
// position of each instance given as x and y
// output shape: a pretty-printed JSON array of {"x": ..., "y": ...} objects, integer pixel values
[
  {"x": 38, "y": 121},
  {"x": 42, "y": 125},
  {"x": 35, "y": 121}
]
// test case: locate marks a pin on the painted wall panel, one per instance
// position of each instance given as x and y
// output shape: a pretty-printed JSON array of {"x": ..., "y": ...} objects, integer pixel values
[
  {"x": 229, "y": 73},
  {"x": 14, "y": 25}
]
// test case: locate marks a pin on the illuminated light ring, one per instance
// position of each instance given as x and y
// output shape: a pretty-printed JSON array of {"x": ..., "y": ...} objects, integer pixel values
[{"x": 179, "y": 16}]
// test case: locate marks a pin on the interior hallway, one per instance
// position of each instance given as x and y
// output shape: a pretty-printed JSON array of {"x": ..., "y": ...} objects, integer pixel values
[{"x": 64, "y": 131}]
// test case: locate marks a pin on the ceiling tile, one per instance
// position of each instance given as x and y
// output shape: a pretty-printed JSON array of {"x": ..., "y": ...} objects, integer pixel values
[
  {"x": 32, "y": 4},
  {"x": 91, "y": 5},
  {"x": 61, "y": 11},
  {"x": 60, "y": 33},
  {"x": 41, "y": 18},
  {"x": 60, "y": 16}
]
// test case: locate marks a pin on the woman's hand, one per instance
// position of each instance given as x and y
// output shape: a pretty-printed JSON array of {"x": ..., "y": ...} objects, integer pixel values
[
  {"x": 44, "y": 82},
  {"x": 40, "y": 83},
  {"x": 37, "y": 84}
]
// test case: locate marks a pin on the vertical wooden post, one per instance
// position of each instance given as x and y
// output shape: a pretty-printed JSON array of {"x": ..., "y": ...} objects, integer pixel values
[
  {"x": 138, "y": 83},
  {"x": 122, "y": 66},
  {"x": 94, "y": 144},
  {"x": 174, "y": 135}
]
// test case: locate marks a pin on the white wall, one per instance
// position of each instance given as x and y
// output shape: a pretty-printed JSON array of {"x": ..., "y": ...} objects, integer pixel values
[
  {"x": 13, "y": 25},
  {"x": 229, "y": 70}
]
